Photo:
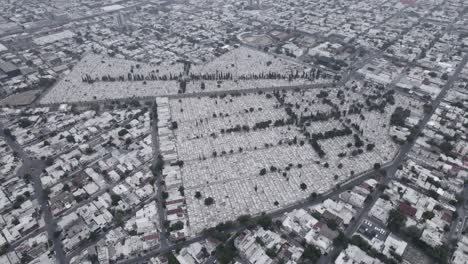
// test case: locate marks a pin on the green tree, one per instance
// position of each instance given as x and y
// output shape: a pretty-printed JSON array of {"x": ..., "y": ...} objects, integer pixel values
[
  {"x": 396, "y": 221},
  {"x": 225, "y": 253},
  {"x": 311, "y": 253},
  {"x": 115, "y": 199},
  {"x": 340, "y": 241},
  {"x": 49, "y": 161},
  {"x": 209, "y": 201},
  {"x": 179, "y": 225},
  {"x": 303, "y": 186},
  {"x": 413, "y": 233},
  {"x": 264, "y": 221},
  {"x": 70, "y": 139},
  {"x": 271, "y": 252},
  {"x": 119, "y": 216},
  {"x": 446, "y": 147},
  {"x": 244, "y": 220},
  {"x": 24, "y": 122},
  {"x": 427, "y": 215},
  {"x": 313, "y": 196},
  {"x": 331, "y": 223},
  {"x": 171, "y": 259}
]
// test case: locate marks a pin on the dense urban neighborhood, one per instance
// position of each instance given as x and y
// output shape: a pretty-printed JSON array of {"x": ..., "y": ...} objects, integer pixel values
[{"x": 234, "y": 132}]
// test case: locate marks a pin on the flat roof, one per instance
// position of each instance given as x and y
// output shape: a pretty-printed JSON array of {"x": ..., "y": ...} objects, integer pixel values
[{"x": 6, "y": 66}]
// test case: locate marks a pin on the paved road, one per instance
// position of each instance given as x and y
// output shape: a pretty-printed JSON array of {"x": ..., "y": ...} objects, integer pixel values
[
  {"x": 34, "y": 167},
  {"x": 329, "y": 84},
  {"x": 159, "y": 186},
  {"x": 456, "y": 229}
]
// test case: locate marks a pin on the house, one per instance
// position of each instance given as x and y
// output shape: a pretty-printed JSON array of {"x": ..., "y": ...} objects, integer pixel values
[
  {"x": 8, "y": 69},
  {"x": 353, "y": 255},
  {"x": 394, "y": 246}
]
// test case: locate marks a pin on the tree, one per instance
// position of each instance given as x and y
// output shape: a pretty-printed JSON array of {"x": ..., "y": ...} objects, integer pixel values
[
  {"x": 119, "y": 217},
  {"x": 7, "y": 132},
  {"x": 122, "y": 132},
  {"x": 70, "y": 139},
  {"x": 198, "y": 195},
  {"x": 224, "y": 226},
  {"x": 377, "y": 166},
  {"x": 19, "y": 201},
  {"x": 92, "y": 236},
  {"x": 205, "y": 252},
  {"x": 303, "y": 186},
  {"x": 313, "y": 196},
  {"x": 271, "y": 252},
  {"x": 264, "y": 221},
  {"x": 49, "y": 161},
  {"x": 158, "y": 166},
  {"x": 24, "y": 122},
  {"x": 225, "y": 253},
  {"x": 396, "y": 221},
  {"x": 427, "y": 215},
  {"x": 90, "y": 150},
  {"x": 216, "y": 234},
  {"x": 46, "y": 192},
  {"x": 413, "y": 232},
  {"x": 433, "y": 194},
  {"x": 399, "y": 116},
  {"x": 209, "y": 201},
  {"x": 263, "y": 171},
  {"x": 340, "y": 240},
  {"x": 446, "y": 228},
  {"x": 316, "y": 215},
  {"x": 171, "y": 259},
  {"x": 115, "y": 199},
  {"x": 446, "y": 147},
  {"x": 360, "y": 242},
  {"x": 331, "y": 223},
  {"x": 179, "y": 225},
  {"x": 385, "y": 197},
  {"x": 93, "y": 258},
  {"x": 311, "y": 253},
  {"x": 244, "y": 220},
  {"x": 439, "y": 253}
]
